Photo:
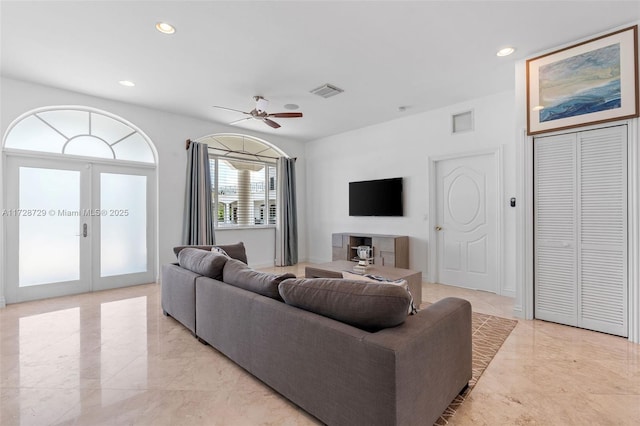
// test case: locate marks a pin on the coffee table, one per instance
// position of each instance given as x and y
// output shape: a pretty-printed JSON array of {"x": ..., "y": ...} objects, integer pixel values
[{"x": 334, "y": 270}]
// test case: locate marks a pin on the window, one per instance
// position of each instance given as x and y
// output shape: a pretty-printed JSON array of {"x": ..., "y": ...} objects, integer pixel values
[
  {"x": 240, "y": 191},
  {"x": 79, "y": 132},
  {"x": 243, "y": 180}
]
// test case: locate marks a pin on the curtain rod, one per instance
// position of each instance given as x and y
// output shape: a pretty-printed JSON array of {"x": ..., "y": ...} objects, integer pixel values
[{"x": 188, "y": 143}]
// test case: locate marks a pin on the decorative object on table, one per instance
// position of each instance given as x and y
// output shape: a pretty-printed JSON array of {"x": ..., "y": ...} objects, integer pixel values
[
  {"x": 592, "y": 82},
  {"x": 364, "y": 258}
]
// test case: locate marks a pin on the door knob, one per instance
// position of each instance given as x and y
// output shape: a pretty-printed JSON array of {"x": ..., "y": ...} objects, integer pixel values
[{"x": 438, "y": 228}]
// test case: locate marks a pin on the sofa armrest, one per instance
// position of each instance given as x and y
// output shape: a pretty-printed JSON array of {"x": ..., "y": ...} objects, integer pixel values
[
  {"x": 179, "y": 294},
  {"x": 433, "y": 351}
]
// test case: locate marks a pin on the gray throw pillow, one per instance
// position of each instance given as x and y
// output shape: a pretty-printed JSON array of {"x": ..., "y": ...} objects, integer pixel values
[
  {"x": 377, "y": 279},
  {"x": 235, "y": 251},
  {"x": 370, "y": 306},
  {"x": 202, "y": 262},
  {"x": 240, "y": 275}
]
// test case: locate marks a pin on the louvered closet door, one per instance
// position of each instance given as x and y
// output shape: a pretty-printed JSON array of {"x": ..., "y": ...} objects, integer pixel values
[
  {"x": 555, "y": 229},
  {"x": 602, "y": 250},
  {"x": 581, "y": 229}
]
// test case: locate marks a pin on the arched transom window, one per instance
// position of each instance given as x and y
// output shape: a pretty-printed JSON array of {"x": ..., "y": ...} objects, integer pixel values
[
  {"x": 241, "y": 147},
  {"x": 79, "y": 132}
]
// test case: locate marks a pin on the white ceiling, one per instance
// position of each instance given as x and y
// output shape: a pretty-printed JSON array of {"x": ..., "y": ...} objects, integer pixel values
[{"x": 384, "y": 54}]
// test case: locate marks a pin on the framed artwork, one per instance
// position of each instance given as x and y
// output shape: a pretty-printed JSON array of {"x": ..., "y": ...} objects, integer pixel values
[{"x": 592, "y": 82}]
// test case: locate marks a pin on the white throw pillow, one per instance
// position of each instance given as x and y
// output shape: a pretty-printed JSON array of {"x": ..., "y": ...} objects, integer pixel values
[
  {"x": 376, "y": 279},
  {"x": 219, "y": 251}
]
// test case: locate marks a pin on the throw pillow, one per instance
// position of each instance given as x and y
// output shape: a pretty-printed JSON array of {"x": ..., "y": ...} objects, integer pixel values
[
  {"x": 370, "y": 306},
  {"x": 218, "y": 250},
  {"x": 202, "y": 262},
  {"x": 240, "y": 275},
  {"x": 374, "y": 278},
  {"x": 234, "y": 251}
]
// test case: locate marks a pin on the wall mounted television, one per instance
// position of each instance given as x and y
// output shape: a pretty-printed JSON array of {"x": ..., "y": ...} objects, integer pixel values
[{"x": 382, "y": 197}]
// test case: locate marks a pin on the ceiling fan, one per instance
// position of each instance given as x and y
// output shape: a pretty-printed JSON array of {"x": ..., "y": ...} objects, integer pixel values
[{"x": 260, "y": 113}]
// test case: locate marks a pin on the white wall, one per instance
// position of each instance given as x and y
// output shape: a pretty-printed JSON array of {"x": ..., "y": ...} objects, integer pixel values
[
  {"x": 401, "y": 148},
  {"x": 168, "y": 133}
]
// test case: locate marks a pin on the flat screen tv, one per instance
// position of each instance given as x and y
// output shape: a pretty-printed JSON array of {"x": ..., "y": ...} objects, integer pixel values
[{"x": 382, "y": 197}]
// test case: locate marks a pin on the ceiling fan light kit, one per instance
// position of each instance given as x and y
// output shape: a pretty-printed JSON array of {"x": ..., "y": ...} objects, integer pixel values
[
  {"x": 260, "y": 113},
  {"x": 261, "y": 103}
]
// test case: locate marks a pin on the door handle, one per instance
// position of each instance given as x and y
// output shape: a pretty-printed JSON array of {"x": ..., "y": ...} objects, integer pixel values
[
  {"x": 84, "y": 230},
  {"x": 438, "y": 228}
]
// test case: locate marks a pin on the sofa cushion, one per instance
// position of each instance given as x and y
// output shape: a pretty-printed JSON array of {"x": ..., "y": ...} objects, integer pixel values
[
  {"x": 377, "y": 279},
  {"x": 235, "y": 251},
  {"x": 202, "y": 262},
  {"x": 240, "y": 275},
  {"x": 370, "y": 306}
]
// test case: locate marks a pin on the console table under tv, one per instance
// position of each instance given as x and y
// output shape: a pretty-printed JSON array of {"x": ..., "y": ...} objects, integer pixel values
[{"x": 387, "y": 250}]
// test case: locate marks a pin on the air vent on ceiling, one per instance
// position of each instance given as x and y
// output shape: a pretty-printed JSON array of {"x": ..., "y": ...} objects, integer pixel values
[{"x": 327, "y": 90}]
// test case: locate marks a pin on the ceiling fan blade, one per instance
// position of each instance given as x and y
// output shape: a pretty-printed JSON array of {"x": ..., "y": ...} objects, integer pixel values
[
  {"x": 271, "y": 123},
  {"x": 285, "y": 114},
  {"x": 242, "y": 119},
  {"x": 230, "y": 109}
]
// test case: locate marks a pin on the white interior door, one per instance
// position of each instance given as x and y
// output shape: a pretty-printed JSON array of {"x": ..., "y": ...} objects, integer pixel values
[
  {"x": 75, "y": 226},
  {"x": 466, "y": 222}
]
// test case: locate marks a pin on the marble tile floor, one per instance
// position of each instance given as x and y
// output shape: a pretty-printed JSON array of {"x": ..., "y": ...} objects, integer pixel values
[{"x": 112, "y": 358}]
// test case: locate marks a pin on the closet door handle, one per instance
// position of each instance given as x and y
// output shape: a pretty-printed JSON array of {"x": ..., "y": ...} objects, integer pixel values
[{"x": 84, "y": 230}]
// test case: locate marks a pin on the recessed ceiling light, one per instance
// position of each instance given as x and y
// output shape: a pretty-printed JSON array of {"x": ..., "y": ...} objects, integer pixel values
[
  {"x": 127, "y": 83},
  {"x": 291, "y": 106},
  {"x": 506, "y": 51},
  {"x": 165, "y": 28}
]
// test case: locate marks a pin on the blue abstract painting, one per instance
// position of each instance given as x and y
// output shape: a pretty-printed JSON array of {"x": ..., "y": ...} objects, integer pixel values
[{"x": 581, "y": 84}]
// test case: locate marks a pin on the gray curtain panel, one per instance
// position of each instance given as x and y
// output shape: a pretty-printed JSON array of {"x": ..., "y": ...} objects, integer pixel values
[
  {"x": 287, "y": 223},
  {"x": 198, "y": 211}
]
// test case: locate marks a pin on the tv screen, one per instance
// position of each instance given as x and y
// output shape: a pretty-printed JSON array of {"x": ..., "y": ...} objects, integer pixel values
[{"x": 381, "y": 197}]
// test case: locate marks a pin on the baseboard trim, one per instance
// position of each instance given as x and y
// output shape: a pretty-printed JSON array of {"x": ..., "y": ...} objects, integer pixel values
[
  {"x": 517, "y": 311},
  {"x": 509, "y": 293}
]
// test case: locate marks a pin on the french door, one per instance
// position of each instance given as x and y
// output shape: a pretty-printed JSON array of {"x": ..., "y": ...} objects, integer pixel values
[{"x": 75, "y": 226}]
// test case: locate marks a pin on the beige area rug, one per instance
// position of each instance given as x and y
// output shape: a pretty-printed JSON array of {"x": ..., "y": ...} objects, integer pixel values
[{"x": 488, "y": 335}]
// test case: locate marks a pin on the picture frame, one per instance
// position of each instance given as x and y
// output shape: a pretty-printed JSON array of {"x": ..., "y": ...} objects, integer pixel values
[{"x": 592, "y": 82}]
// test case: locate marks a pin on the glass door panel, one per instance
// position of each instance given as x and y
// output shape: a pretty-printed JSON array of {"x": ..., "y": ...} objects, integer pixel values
[
  {"x": 123, "y": 224},
  {"x": 49, "y": 223}
]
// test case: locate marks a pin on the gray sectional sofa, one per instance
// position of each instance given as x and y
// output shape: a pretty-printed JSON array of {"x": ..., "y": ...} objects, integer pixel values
[{"x": 351, "y": 372}]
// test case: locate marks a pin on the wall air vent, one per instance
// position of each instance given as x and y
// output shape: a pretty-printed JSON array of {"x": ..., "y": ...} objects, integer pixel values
[
  {"x": 462, "y": 122},
  {"x": 327, "y": 90}
]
